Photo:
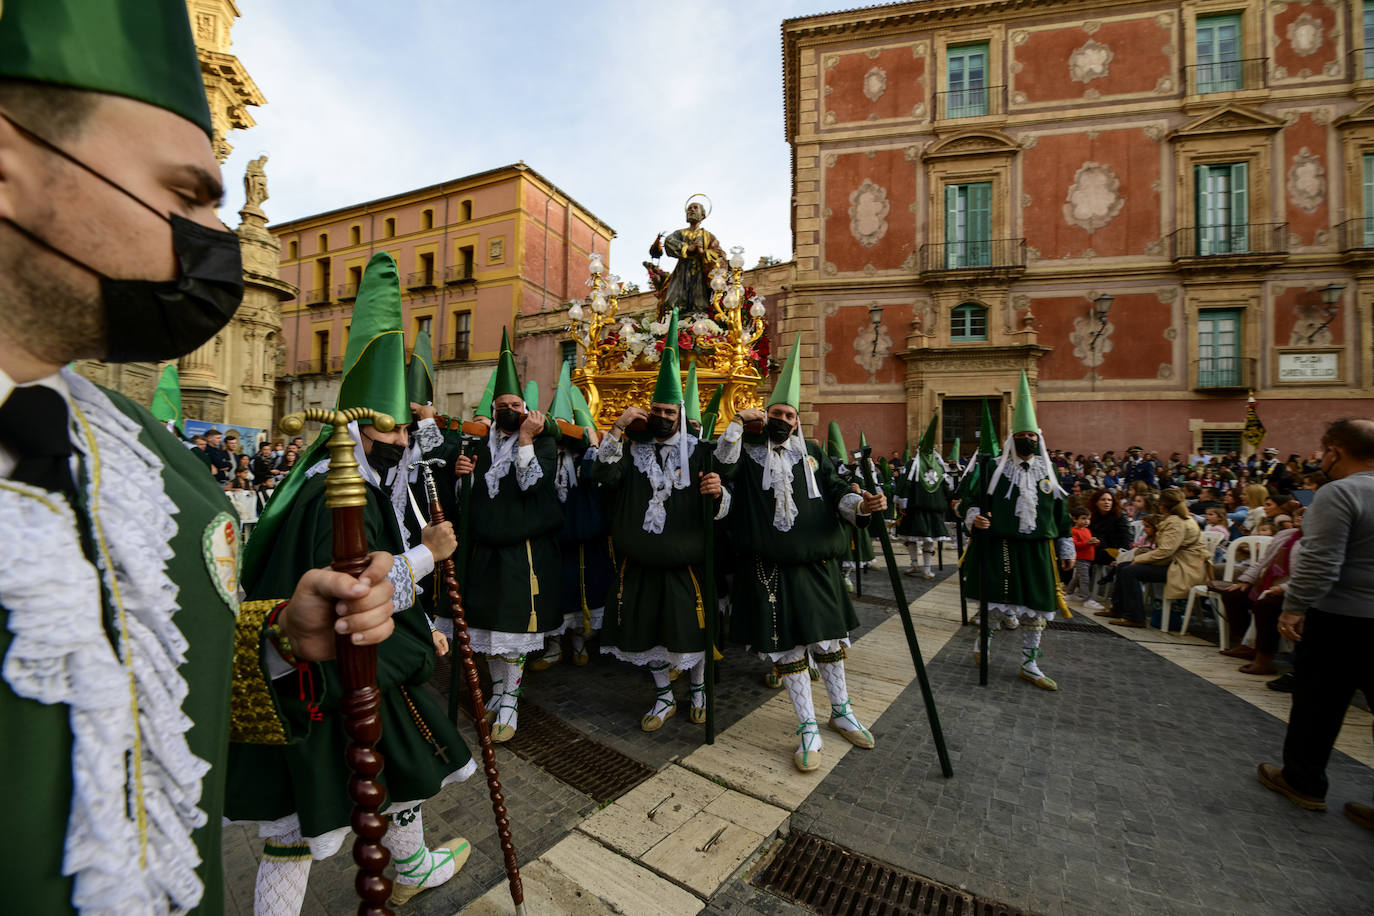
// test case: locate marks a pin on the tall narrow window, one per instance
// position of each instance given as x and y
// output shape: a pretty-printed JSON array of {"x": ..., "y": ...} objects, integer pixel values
[
  {"x": 390, "y": 226},
  {"x": 423, "y": 325},
  {"x": 1223, "y": 209},
  {"x": 1218, "y": 54},
  {"x": 355, "y": 235},
  {"x": 324, "y": 242},
  {"x": 323, "y": 279},
  {"x": 1367, "y": 55},
  {"x": 1218, "y": 348},
  {"x": 567, "y": 352},
  {"x": 462, "y": 334},
  {"x": 968, "y": 225},
  {"x": 427, "y": 269},
  {"x": 966, "y": 81},
  {"x": 1367, "y": 217},
  {"x": 426, "y": 219},
  {"x": 465, "y": 262},
  {"x": 320, "y": 358},
  {"x": 465, "y": 210},
  {"x": 293, "y": 250},
  {"x": 968, "y": 322}
]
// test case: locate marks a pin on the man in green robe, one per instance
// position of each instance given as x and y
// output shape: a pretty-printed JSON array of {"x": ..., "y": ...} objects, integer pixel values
[
  {"x": 788, "y": 528},
  {"x": 924, "y": 494},
  {"x": 121, "y": 628},
  {"x": 297, "y": 794},
  {"x": 655, "y": 617},
  {"x": 511, "y": 596},
  {"x": 1025, "y": 527}
]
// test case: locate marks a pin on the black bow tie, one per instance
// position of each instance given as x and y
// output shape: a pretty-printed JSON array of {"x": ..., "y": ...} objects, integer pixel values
[{"x": 34, "y": 426}]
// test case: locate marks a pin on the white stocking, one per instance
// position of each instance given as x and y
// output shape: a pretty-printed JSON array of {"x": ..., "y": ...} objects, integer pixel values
[
  {"x": 512, "y": 675},
  {"x": 1030, "y": 646},
  {"x": 697, "y": 681},
  {"x": 832, "y": 673},
  {"x": 798, "y": 686},
  {"x": 928, "y": 550},
  {"x": 663, "y": 684},
  {"x": 415, "y": 864},
  {"x": 578, "y": 641},
  {"x": 282, "y": 876},
  {"x": 497, "y": 666}
]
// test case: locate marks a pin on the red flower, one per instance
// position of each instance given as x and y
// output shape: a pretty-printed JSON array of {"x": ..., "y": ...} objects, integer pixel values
[
  {"x": 684, "y": 340},
  {"x": 659, "y": 346}
]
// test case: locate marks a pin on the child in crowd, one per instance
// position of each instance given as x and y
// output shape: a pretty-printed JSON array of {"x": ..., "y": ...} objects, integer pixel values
[
  {"x": 1266, "y": 528},
  {"x": 1084, "y": 548},
  {"x": 1215, "y": 519},
  {"x": 1146, "y": 541},
  {"x": 1283, "y": 522}
]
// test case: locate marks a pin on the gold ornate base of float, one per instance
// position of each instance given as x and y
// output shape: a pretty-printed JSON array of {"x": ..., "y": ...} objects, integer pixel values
[{"x": 609, "y": 393}]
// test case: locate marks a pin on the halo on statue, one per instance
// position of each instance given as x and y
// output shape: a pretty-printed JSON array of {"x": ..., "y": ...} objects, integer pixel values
[{"x": 709, "y": 206}]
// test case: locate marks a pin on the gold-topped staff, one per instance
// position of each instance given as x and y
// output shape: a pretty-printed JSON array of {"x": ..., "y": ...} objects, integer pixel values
[{"x": 346, "y": 495}]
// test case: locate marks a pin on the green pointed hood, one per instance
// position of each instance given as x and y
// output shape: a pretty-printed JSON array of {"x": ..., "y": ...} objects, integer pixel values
[
  {"x": 420, "y": 372},
  {"x": 484, "y": 405},
  {"x": 507, "y": 379},
  {"x": 669, "y": 387},
  {"x": 863, "y": 439},
  {"x": 166, "y": 404},
  {"x": 531, "y": 395},
  {"x": 954, "y": 455},
  {"x": 374, "y": 364},
  {"x": 711, "y": 415},
  {"x": 906, "y": 454},
  {"x": 788, "y": 389},
  {"x": 691, "y": 397},
  {"x": 1023, "y": 415},
  {"x": 561, "y": 407},
  {"x": 140, "y": 49},
  {"x": 834, "y": 442},
  {"x": 987, "y": 439},
  {"x": 581, "y": 410},
  {"x": 932, "y": 469}
]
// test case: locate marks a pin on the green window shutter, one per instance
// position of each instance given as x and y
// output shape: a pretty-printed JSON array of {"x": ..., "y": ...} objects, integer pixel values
[
  {"x": 1202, "y": 208},
  {"x": 951, "y": 225},
  {"x": 966, "y": 81},
  {"x": 1367, "y": 178},
  {"x": 1240, "y": 207},
  {"x": 1218, "y": 54},
  {"x": 1368, "y": 55},
  {"x": 979, "y": 234}
]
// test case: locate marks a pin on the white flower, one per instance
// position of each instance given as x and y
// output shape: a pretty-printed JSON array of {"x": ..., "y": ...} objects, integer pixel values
[{"x": 658, "y": 328}]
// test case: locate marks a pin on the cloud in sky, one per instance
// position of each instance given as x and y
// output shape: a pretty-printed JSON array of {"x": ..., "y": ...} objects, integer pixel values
[{"x": 628, "y": 106}]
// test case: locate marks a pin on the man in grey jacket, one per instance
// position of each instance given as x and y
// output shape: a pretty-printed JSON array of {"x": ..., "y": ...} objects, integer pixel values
[{"x": 1329, "y": 609}]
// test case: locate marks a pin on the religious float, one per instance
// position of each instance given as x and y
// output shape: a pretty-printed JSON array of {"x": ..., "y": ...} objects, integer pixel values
[{"x": 720, "y": 326}]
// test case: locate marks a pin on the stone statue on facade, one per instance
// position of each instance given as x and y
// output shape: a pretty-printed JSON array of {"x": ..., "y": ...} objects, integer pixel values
[{"x": 255, "y": 185}]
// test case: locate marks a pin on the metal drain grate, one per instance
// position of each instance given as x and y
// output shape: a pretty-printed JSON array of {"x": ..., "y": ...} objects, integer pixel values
[
  {"x": 832, "y": 880},
  {"x": 1074, "y": 626},
  {"x": 571, "y": 757}
]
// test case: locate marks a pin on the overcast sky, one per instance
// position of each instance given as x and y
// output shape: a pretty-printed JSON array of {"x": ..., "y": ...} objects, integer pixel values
[{"x": 626, "y": 105}]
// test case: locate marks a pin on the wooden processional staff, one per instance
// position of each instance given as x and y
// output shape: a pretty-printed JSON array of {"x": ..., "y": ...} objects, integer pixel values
[
  {"x": 445, "y": 573},
  {"x": 346, "y": 496}
]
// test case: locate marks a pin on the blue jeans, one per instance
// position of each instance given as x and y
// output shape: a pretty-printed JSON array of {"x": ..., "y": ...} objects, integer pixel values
[{"x": 1128, "y": 596}]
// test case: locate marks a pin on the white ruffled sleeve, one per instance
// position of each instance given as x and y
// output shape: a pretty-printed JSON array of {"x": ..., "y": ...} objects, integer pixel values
[
  {"x": 728, "y": 445},
  {"x": 527, "y": 471}
]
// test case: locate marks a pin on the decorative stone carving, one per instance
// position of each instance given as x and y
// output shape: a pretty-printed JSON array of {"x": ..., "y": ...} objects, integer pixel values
[
  {"x": 1165, "y": 371},
  {"x": 872, "y": 53},
  {"x": 1089, "y": 354},
  {"x": 1094, "y": 197},
  {"x": 918, "y": 110},
  {"x": 1091, "y": 61},
  {"x": 827, "y": 213},
  {"x": 830, "y": 160},
  {"x": 1032, "y": 254},
  {"x": 1323, "y": 116},
  {"x": 1028, "y": 141},
  {"x": 1154, "y": 248},
  {"x": 830, "y": 269},
  {"x": 872, "y": 347},
  {"x": 1091, "y": 94},
  {"x": 830, "y": 119},
  {"x": 868, "y": 211},
  {"x": 918, "y": 49},
  {"x": 1307, "y": 318},
  {"x": 1025, "y": 200},
  {"x": 1091, "y": 26},
  {"x": 913, "y": 153},
  {"x": 1016, "y": 67},
  {"x": 831, "y": 60},
  {"x": 1305, "y": 35},
  {"x": 869, "y": 270},
  {"x": 1171, "y": 333},
  {"x": 875, "y": 84},
  {"x": 1019, "y": 98},
  {"x": 1153, "y": 131},
  {"x": 1167, "y": 296},
  {"x": 1164, "y": 20},
  {"x": 1019, "y": 37},
  {"x": 1306, "y": 181}
]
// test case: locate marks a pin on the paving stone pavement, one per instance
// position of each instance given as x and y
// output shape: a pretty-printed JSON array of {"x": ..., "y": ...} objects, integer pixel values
[{"x": 1130, "y": 790}]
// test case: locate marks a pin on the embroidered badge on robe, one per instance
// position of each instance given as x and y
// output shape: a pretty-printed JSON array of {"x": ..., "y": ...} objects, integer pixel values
[{"x": 220, "y": 547}]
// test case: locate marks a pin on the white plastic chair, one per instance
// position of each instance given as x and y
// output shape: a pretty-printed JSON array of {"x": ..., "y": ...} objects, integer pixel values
[{"x": 1256, "y": 543}]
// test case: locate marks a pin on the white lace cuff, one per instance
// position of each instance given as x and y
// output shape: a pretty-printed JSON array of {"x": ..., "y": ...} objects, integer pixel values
[
  {"x": 970, "y": 516},
  {"x": 728, "y": 445},
  {"x": 1063, "y": 548},
  {"x": 427, "y": 435},
  {"x": 402, "y": 583},
  {"x": 610, "y": 449},
  {"x": 724, "y": 509},
  {"x": 527, "y": 471},
  {"x": 849, "y": 507}
]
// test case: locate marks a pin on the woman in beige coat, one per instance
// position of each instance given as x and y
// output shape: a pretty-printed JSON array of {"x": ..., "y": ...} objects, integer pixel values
[{"x": 1180, "y": 559}]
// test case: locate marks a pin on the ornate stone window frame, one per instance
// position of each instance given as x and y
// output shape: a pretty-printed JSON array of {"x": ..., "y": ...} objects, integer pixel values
[
  {"x": 992, "y": 34},
  {"x": 965, "y": 158},
  {"x": 1247, "y": 298},
  {"x": 1228, "y": 134},
  {"x": 1253, "y": 26}
]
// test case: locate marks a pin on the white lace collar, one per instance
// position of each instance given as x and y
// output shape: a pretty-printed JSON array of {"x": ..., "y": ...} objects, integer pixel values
[
  {"x": 501, "y": 447},
  {"x": 663, "y": 479},
  {"x": 121, "y": 863},
  {"x": 777, "y": 462}
]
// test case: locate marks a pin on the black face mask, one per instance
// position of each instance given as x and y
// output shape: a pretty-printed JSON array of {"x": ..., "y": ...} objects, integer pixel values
[
  {"x": 1025, "y": 448},
  {"x": 148, "y": 320},
  {"x": 660, "y": 427},
  {"x": 778, "y": 430},
  {"x": 508, "y": 420},
  {"x": 384, "y": 456}
]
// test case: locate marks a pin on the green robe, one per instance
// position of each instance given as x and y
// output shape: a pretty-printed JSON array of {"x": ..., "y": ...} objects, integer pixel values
[
  {"x": 310, "y": 778},
  {"x": 926, "y": 510},
  {"x": 37, "y": 771},
  {"x": 655, "y": 596},
  {"x": 1021, "y": 569},
  {"x": 512, "y": 539},
  {"x": 799, "y": 568}
]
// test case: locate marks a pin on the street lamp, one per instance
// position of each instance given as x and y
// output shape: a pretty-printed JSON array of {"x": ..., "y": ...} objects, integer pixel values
[
  {"x": 1102, "y": 305},
  {"x": 875, "y": 315},
  {"x": 1331, "y": 299}
]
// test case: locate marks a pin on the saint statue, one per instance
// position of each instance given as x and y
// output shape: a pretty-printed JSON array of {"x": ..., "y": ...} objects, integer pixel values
[
  {"x": 698, "y": 252},
  {"x": 255, "y": 184}
]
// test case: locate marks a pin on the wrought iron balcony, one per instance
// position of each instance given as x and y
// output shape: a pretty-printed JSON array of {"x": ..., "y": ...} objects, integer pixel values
[
  {"x": 987, "y": 255},
  {"x": 449, "y": 353},
  {"x": 348, "y": 292},
  {"x": 1357, "y": 238},
  {"x": 420, "y": 279},
  {"x": 318, "y": 365},
  {"x": 460, "y": 273},
  {"x": 971, "y": 103},
  {"x": 1362, "y": 63},
  {"x": 1227, "y": 76},
  {"x": 1224, "y": 373},
  {"x": 317, "y": 297},
  {"x": 1258, "y": 242}
]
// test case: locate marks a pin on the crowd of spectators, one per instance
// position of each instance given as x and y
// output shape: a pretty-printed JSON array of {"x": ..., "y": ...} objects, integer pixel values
[{"x": 237, "y": 471}]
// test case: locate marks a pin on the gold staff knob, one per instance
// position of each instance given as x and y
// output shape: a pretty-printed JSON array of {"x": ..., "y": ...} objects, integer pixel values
[{"x": 344, "y": 486}]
